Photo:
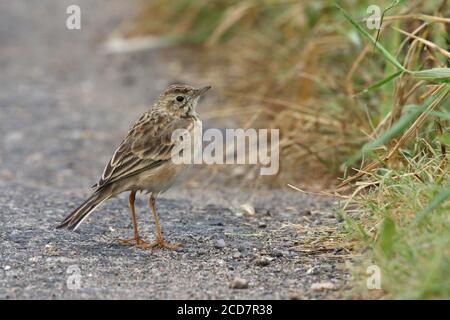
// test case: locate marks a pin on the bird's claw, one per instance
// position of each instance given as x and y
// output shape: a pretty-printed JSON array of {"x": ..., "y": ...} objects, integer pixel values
[
  {"x": 135, "y": 241},
  {"x": 163, "y": 244}
]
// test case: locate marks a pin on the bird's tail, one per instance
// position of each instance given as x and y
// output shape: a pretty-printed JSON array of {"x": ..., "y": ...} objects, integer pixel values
[{"x": 73, "y": 220}]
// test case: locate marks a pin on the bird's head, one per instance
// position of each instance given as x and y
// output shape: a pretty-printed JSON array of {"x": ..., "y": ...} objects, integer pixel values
[{"x": 180, "y": 99}]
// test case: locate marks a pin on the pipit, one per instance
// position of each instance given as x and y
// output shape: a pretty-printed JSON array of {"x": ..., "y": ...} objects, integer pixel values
[{"x": 143, "y": 161}]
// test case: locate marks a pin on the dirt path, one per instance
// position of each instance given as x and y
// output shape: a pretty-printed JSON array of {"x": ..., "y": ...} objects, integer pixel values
[{"x": 65, "y": 105}]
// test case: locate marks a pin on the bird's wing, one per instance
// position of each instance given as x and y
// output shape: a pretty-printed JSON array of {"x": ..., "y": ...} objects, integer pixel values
[{"x": 147, "y": 145}]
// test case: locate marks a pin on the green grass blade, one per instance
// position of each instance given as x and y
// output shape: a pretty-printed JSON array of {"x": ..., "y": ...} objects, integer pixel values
[
  {"x": 380, "y": 83},
  {"x": 440, "y": 115},
  {"x": 434, "y": 203},
  {"x": 377, "y": 45},
  {"x": 387, "y": 236},
  {"x": 435, "y": 74},
  {"x": 399, "y": 127},
  {"x": 445, "y": 139}
]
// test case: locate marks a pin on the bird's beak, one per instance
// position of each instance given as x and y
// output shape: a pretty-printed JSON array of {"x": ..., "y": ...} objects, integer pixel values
[{"x": 202, "y": 91}]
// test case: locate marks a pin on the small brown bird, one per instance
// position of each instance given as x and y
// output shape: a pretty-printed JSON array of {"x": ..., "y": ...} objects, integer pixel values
[{"x": 143, "y": 161}]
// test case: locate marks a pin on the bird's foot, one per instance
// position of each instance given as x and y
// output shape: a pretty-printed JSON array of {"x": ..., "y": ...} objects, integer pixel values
[
  {"x": 135, "y": 241},
  {"x": 161, "y": 243}
]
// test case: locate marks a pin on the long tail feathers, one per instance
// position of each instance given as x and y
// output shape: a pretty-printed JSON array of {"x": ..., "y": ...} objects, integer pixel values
[{"x": 73, "y": 220}]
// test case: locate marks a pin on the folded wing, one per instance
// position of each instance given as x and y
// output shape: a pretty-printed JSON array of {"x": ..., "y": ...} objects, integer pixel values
[{"x": 147, "y": 145}]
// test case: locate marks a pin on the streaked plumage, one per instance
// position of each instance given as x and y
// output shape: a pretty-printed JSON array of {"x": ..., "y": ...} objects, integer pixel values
[{"x": 142, "y": 162}]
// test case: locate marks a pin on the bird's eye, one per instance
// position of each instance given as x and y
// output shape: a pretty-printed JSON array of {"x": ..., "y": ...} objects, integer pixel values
[{"x": 180, "y": 98}]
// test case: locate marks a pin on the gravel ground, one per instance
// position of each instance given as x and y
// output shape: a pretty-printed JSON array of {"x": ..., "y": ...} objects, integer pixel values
[{"x": 65, "y": 105}]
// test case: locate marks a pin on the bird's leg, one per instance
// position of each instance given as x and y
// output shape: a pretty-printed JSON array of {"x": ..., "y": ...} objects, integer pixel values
[
  {"x": 159, "y": 237},
  {"x": 139, "y": 242}
]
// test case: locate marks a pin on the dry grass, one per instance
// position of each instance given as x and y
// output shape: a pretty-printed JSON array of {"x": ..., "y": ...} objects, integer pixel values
[{"x": 299, "y": 66}]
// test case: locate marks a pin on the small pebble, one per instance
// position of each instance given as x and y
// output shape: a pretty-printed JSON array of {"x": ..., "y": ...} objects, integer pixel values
[
  {"x": 6, "y": 268},
  {"x": 296, "y": 296},
  {"x": 220, "y": 244},
  {"x": 276, "y": 253},
  {"x": 237, "y": 255},
  {"x": 33, "y": 259},
  {"x": 262, "y": 261},
  {"x": 248, "y": 209},
  {"x": 322, "y": 286},
  {"x": 311, "y": 270},
  {"x": 239, "y": 283}
]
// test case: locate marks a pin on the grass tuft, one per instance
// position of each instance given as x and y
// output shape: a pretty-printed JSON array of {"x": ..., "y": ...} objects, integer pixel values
[{"x": 403, "y": 225}]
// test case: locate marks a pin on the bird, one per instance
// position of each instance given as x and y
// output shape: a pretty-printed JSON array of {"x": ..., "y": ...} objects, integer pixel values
[{"x": 143, "y": 160}]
